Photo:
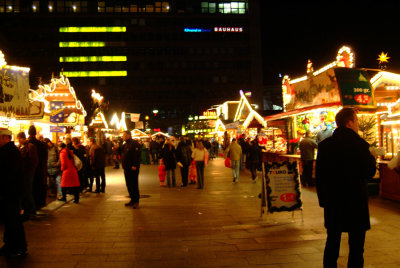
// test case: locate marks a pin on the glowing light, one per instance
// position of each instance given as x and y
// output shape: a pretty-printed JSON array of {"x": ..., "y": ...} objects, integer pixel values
[
  {"x": 383, "y": 57},
  {"x": 49, "y": 90},
  {"x": 82, "y": 44},
  {"x": 95, "y": 73},
  {"x": 92, "y": 29},
  {"x": 93, "y": 58},
  {"x": 96, "y": 96},
  {"x": 119, "y": 124},
  {"x": 2, "y": 59}
]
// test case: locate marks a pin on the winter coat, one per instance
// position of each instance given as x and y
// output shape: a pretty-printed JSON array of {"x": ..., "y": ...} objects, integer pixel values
[
  {"x": 69, "y": 173},
  {"x": 130, "y": 155},
  {"x": 253, "y": 154},
  {"x": 53, "y": 161},
  {"x": 234, "y": 151},
  {"x": 184, "y": 153},
  {"x": 97, "y": 157},
  {"x": 169, "y": 157},
  {"x": 30, "y": 158},
  {"x": 344, "y": 164},
  {"x": 11, "y": 173},
  {"x": 307, "y": 146}
]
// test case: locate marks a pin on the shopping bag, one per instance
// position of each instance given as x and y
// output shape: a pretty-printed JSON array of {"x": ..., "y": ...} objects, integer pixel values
[
  {"x": 161, "y": 171},
  {"x": 228, "y": 162}
]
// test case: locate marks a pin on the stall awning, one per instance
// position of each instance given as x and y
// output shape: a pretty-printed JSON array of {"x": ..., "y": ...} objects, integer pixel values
[{"x": 301, "y": 110}]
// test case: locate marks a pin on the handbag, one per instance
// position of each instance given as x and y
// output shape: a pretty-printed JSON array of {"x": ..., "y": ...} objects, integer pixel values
[
  {"x": 228, "y": 162},
  {"x": 77, "y": 163}
]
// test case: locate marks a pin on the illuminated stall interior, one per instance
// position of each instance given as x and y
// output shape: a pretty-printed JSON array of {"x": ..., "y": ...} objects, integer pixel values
[
  {"x": 310, "y": 103},
  {"x": 387, "y": 93}
]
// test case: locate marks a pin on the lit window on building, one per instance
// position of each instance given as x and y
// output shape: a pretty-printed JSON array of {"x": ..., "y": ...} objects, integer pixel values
[
  {"x": 35, "y": 6},
  {"x": 232, "y": 8},
  {"x": 101, "y": 6}
]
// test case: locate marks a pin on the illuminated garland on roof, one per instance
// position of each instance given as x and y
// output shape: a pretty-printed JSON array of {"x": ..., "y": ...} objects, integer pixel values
[{"x": 48, "y": 90}]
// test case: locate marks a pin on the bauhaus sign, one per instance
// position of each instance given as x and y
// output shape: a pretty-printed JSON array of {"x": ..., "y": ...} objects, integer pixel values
[{"x": 229, "y": 29}]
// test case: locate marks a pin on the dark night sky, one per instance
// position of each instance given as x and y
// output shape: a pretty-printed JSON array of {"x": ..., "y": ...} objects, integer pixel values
[{"x": 295, "y": 31}]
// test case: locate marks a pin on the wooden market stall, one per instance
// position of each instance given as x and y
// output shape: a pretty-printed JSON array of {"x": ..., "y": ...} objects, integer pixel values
[{"x": 312, "y": 101}]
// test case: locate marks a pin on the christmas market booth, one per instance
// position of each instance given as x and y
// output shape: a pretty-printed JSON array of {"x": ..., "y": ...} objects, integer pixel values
[
  {"x": 312, "y": 101},
  {"x": 64, "y": 114},
  {"x": 17, "y": 109},
  {"x": 387, "y": 93}
]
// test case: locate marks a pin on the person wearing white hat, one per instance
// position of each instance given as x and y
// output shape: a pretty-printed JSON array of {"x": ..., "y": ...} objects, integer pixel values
[{"x": 10, "y": 197}]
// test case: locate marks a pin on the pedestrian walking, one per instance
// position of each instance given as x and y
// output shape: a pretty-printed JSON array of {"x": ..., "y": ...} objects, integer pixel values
[
  {"x": 344, "y": 164},
  {"x": 40, "y": 178},
  {"x": 69, "y": 179},
  {"x": 97, "y": 158},
  {"x": 10, "y": 197},
  {"x": 199, "y": 155},
  {"x": 154, "y": 149},
  {"x": 184, "y": 158},
  {"x": 253, "y": 158},
  {"x": 307, "y": 152},
  {"x": 168, "y": 154},
  {"x": 234, "y": 151},
  {"x": 130, "y": 158}
]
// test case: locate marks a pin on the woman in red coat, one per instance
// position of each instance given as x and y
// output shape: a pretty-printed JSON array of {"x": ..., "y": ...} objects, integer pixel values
[{"x": 70, "y": 178}]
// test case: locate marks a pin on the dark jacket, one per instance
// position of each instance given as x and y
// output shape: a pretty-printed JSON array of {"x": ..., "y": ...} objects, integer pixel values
[
  {"x": 11, "y": 172},
  {"x": 184, "y": 153},
  {"x": 168, "y": 156},
  {"x": 131, "y": 154},
  {"x": 307, "y": 146},
  {"x": 97, "y": 157},
  {"x": 53, "y": 161},
  {"x": 344, "y": 164},
  {"x": 41, "y": 170},
  {"x": 254, "y": 154}
]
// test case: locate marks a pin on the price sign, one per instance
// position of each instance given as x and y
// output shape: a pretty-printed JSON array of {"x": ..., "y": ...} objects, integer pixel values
[
  {"x": 355, "y": 88},
  {"x": 283, "y": 186}
]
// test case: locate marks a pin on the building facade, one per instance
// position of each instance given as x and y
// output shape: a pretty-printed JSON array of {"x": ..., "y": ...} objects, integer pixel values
[{"x": 177, "y": 57}]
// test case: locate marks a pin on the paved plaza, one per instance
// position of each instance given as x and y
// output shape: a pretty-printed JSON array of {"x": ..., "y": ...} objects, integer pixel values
[{"x": 219, "y": 226}]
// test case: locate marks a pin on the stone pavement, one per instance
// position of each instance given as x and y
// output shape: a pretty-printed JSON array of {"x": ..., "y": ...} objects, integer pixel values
[{"x": 219, "y": 226}]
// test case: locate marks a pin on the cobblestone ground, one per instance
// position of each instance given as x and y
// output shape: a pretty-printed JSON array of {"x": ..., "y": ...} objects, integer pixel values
[{"x": 219, "y": 226}]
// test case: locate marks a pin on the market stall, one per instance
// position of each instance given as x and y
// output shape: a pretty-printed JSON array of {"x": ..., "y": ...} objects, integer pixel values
[
  {"x": 311, "y": 102},
  {"x": 17, "y": 110},
  {"x": 64, "y": 114}
]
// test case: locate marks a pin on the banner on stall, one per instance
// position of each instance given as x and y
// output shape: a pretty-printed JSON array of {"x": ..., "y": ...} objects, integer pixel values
[
  {"x": 57, "y": 129},
  {"x": 14, "y": 90},
  {"x": 56, "y": 111},
  {"x": 139, "y": 125},
  {"x": 355, "y": 87},
  {"x": 283, "y": 186}
]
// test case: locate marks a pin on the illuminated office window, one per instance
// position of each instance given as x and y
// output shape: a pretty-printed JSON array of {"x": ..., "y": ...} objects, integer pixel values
[
  {"x": 157, "y": 7},
  {"x": 95, "y": 73},
  {"x": 117, "y": 9},
  {"x": 82, "y": 44},
  {"x": 149, "y": 9},
  {"x": 165, "y": 7},
  {"x": 101, "y": 6},
  {"x": 232, "y": 8},
  {"x": 51, "y": 6},
  {"x": 93, "y": 59},
  {"x": 125, "y": 9},
  {"x": 134, "y": 8},
  {"x": 90, "y": 29}
]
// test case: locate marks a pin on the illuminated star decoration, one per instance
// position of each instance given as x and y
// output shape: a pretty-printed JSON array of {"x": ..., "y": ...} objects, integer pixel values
[{"x": 383, "y": 57}]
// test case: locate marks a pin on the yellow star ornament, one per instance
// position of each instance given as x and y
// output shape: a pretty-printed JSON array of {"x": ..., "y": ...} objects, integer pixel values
[{"x": 383, "y": 57}]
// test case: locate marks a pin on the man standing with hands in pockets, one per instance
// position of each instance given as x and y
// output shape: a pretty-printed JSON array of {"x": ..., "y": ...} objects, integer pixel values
[
  {"x": 130, "y": 158},
  {"x": 344, "y": 164}
]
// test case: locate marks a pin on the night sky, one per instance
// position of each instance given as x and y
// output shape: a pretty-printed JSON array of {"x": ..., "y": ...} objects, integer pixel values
[{"x": 293, "y": 32}]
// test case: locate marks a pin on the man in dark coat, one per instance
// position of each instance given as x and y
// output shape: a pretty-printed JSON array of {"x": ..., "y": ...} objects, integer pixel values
[
  {"x": 184, "y": 158},
  {"x": 130, "y": 158},
  {"x": 10, "y": 197},
  {"x": 40, "y": 179},
  {"x": 344, "y": 164}
]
